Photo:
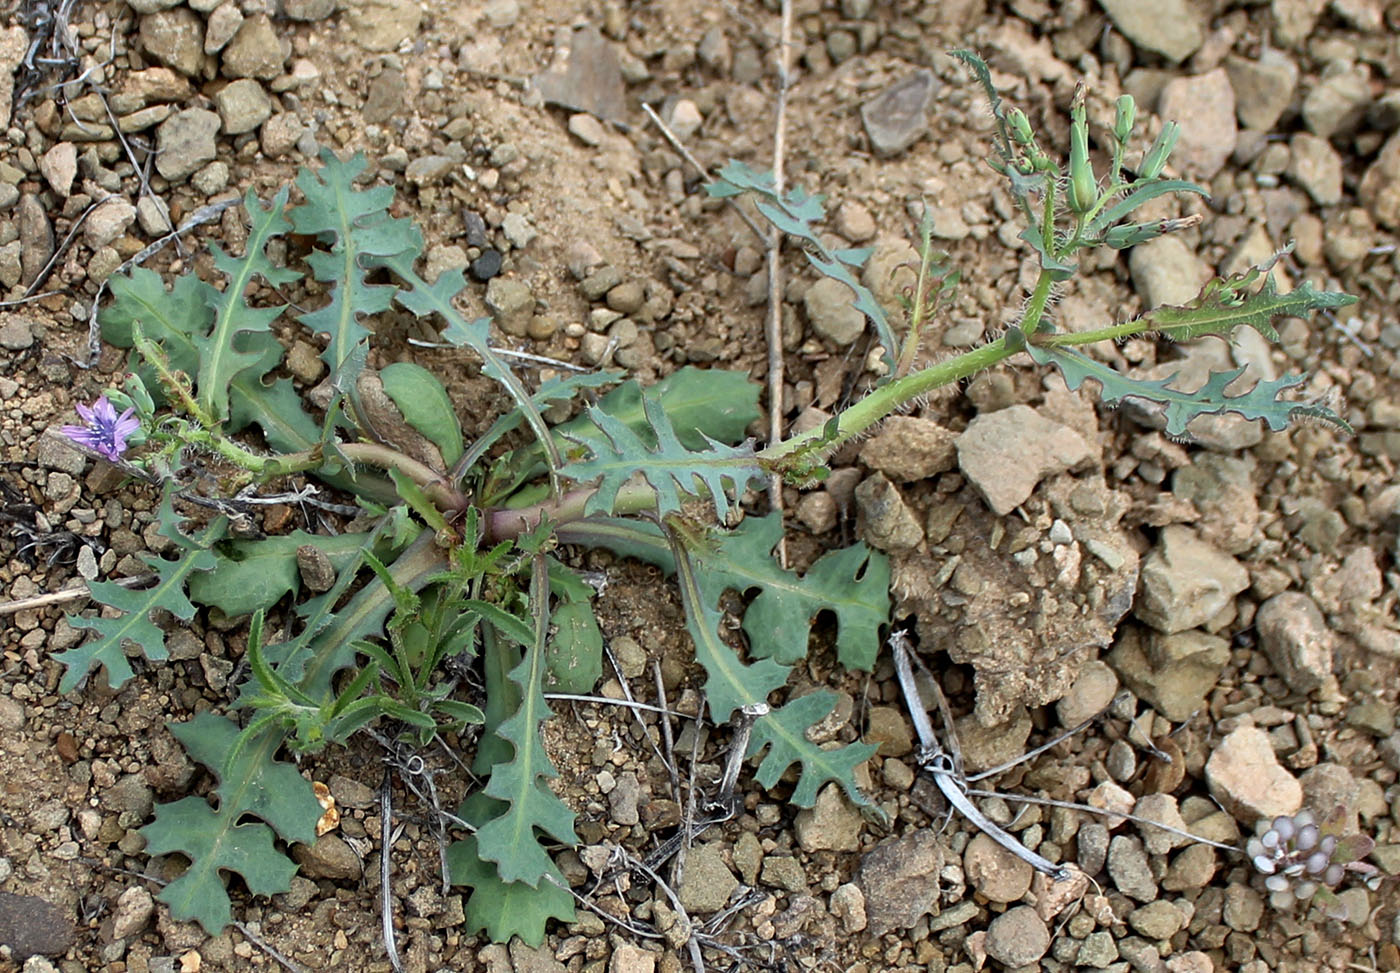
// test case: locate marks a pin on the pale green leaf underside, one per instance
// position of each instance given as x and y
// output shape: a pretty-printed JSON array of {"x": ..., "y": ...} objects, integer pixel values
[{"x": 784, "y": 733}]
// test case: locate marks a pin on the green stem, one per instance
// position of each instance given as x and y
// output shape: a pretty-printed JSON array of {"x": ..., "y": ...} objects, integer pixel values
[{"x": 1114, "y": 332}]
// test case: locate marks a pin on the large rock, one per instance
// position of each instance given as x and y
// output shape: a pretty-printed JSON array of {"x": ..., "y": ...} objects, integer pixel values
[
  {"x": 1245, "y": 777},
  {"x": 1185, "y": 581},
  {"x": 1204, "y": 104},
  {"x": 1169, "y": 27},
  {"x": 1171, "y": 673},
  {"x": 1006, "y": 453}
]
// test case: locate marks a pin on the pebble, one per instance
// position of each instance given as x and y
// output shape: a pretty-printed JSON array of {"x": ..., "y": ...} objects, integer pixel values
[
  {"x": 886, "y": 727},
  {"x": 1337, "y": 104},
  {"x": 831, "y": 313},
  {"x": 1017, "y": 937},
  {"x": 783, "y": 872},
  {"x": 587, "y": 129},
  {"x": 16, "y": 332},
  {"x": 897, "y": 117},
  {"x": 441, "y": 258},
  {"x": 1193, "y": 868},
  {"x": 35, "y": 237},
  {"x": 1263, "y": 88},
  {"x": 486, "y": 266},
  {"x": 211, "y": 179},
  {"x": 908, "y": 448},
  {"x": 1093, "y": 847},
  {"x": 429, "y": 170},
  {"x": 1130, "y": 870},
  {"x": 830, "y": 824},
  {"x": 994, "y": 872},
  {"x": 59, "y": 166},
  {"x": 382, "y": 25},
  {"x": 1186, "y": 581},
  {"x": 31, "y": 926},
  {"x": 1244, "y": 775},
  {"x": 1379, "y": 190},
  {"x": 330, "y": 857},
  {"x": 1316, "y": 167},
  {"x": 313, "y": 564},
  {"x": 153, "y": 216},
  {"x": 631, "y": 959},
  {"x": 623, "y": 800},
  {"x": 175, "y": 38},
  {"x": 1090, "y": 693},
  {"x": 134, "y": 909},
  {"x": 684, "y": 119},
  {"x": 1166, "y": 271},
  {"x": 186, "y": 141},
  {"x": 108, "y": 221},
  {"x": 279, "y": 134},
  {"x": 511, "y": 303},
  {"x": 1171, "y": 673},
  {"x": 588, "y": 80},
  {"x": 1097, "y": 950},
  {"x": 1169, "y": 27},
  {"x": 308, "y": 10},
  {"x": 889, "y": 523},
  {"x": 854, "y": 222},
  {"x": 708, "y": 882},
  {"x": 899, "y": 879},
  {"x": 1004, "y": 454},
  {"x": 1157, "y": 920},
  {"x": 242, "y": 105},
  {"x": 518, "y": 230},
  {"x": 1297, "y": 640},
  {"x": 1161, "y": 808},
  {"x": 11, "y": 715}
]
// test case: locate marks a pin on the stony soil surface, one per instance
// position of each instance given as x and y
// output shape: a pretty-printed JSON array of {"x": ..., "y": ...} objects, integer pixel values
[{"x": 1241, "y": 587}]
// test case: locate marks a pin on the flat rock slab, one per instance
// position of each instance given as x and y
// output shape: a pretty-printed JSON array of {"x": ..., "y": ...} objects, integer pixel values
[
  {"x": 897, "y": 117},
  {"x": 1006, "y": 453},
  {"x": 32, "y": 926},
  {"x": 588, "y": 78}
]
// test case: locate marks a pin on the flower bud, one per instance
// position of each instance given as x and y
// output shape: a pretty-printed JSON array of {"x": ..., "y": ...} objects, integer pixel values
[
  {"x": 1156, "y": 158},
  {"x": 1083, "y": 187},
  {"x": 1020, "y": 126},
  {"x": 1123, "y": 120}
]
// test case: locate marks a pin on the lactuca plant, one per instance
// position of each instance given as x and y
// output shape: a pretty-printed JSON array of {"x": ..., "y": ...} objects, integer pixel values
[{"x": 461, "y": 556}]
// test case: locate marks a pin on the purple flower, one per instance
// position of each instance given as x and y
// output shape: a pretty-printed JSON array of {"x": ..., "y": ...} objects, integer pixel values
[{"x": 105, "y": 432}]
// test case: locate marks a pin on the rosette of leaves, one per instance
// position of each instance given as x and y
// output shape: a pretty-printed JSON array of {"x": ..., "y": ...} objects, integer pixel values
[{"x": 1301, "y": 859}]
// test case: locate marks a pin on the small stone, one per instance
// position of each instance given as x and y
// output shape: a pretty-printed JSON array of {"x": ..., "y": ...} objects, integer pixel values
[
  {"x": 1185, "y": 581},
  {"x": 224, "y": 22},
  {"x": 429, "y": 170},
  {"x": 1243, "y": 909},
  {"x": 887, "y": 728},
  {"x": 908, "y": 448},
  {"x": 783, "y": 872},
  {"x": 817, "y": 511},
  {"x": 308, "y": 10},
  {"x": 588, "y": 80},
  {"x": 1297, "y": 640},
  {"x": 1092, "y": 840},
  {"x": 255, "y": 51},
  {"x": 995, "y": 872},
  {"x": 242, "y": 106},
  {"x": 1165, "y": 271},
  {"x": 174, "y": 38},
  {"x": 1129, "y": 868},
  {"x": 1017, "y": 937},
  {"x": 708, "y": 882},
  {"x": 685, "y": 118},
  {"x": 1244, "y": 775},
  {"x": 314, "y": 565},
  {"x": 889, "y": 524},
  {"x": 1263, "y": 88},
  {"x": 1193, "y": 868},
  {"x": 1090, "y": 693},
  {"x": 185, "y": 141},
  {"x": 1204, "y": 104},
  {"x": 16, "y": 332},
  {"x": 134, "y": 909},
  {"x": 1162, "y": 809},
  {"x": 59, "y": 166},
  {"x": 623, "y": 800},
  {"x": 11, "y": 715},
  {"x": 511, "y": 303},
  {"x": 830, "y": 824},
  {"x": 280, "y": 134},
  {"x": 330, "y": 857},
  {"x": 486, "y": 266},
  {"x": 631, "y": 959},
  {"x": 1169, "y": 27},
  {"x": 594, "y": 285},
  {"x": 153, "y": 216},
  {"x": 587, "y": 129},
  {"x": 1156, "y": 920},
  {"x": 1337, "y": 104},
  {"x": 899, "y": 879},
  {"x": 1097, "y": 950},
  {"x": 831, "y": 312},
  {"x": 1171, "y": 673},
  {"x": 35, "y": 237},
  {"x": 1379, "y": 191},
  {"x": 1006, "y": 453},
  {"x": 441, "y": 258},
  {"x": 627, "y": 297},
  {"x": 11, "y": 263},
  {"x": 1317, "y": 167},
  {"x": 211, "y": 179},
  {"x": 518, "y": 230},
  {"x": 897, "y": 117},
  {"x": 854, "y": 222}
]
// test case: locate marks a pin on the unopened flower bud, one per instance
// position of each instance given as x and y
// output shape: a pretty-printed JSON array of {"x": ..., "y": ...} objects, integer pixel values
[
  {"x": 1083, "y": 187},
  {"x": 1020, "y": 126},
  {"x": 1156, "y": 158},
  {"x": 1123, "y": 120}
]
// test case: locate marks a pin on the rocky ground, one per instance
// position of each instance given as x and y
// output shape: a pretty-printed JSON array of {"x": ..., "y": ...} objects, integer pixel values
[{"x": 1241, "y": 587}]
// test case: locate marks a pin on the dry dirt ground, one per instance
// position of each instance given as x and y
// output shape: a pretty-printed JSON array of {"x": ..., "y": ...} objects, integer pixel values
[{"x": 1258, "y": 570}]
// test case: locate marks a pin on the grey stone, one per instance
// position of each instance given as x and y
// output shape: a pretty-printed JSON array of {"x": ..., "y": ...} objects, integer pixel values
[
  {"x": 994, "y": 872},
  {"x": 151, "y": 6},
  {"x": 1337, "y": 104},
  {"x": 1006, "y": 453},
  {"x": 1162, "y": 809},
  {"x": 211, "y": 179},
  {"x": 255, "y": 51},
  {"x": 1294, "y": 20},
  {"x": 908, "y": 448},
  {"x": 783, "y": 872},
  {"x": 623, "y": 799},
  {"x": 153, "y": 216},
  {"x": 280, "y": 134},
  {"x": 1222, "y": 489},
  {"x": 129, "y": 795},
  {"x": 587, "y": 78},
  {"x": 1263, "y": 88},
  {"x": 1169, "y": 27},
  {"x": 708, "y": 882},
  {"x": 330, "y": 857},
  {"x": 1332, "y": 789},
  {"x": 1171, "y": 673},
  {"x": 35, "y": 237},
  {"x": 107, "y": 221},
  {"x": 889, "y": 523},
  {"x": 308, "y": 10},
  {"x": 830, "y": 824},
  {"x": 1185, "y": 581},
  {"x": 1092, "y": 840},
  {"x": 899, "y": 879},
  {"x": 185, "y": 141},
  {"x": 511, "y": 303},
  {"x": 1017, "y": 937},
  {"x": 31, "y": 926},
  {"x": 429, "y": 170},
  {"x": 1130, "y": 870},
  {"x": 854, "y": 222},
  {"x": 1193, "y": 868},
  {"x": 897, "y": 117},
  {"x": 441, "y": 258},
  {"x": 243, "y": 105},
  {"x": 1097, "y": 950},
  {"x": 175, "y": 38},
  {"x": 134, "y": 909},
  {"x": 1244, "y": 775},
  {"x": 223, "y": 24},
  {"x": 59, "y": 166},
  {"x": 518, "y": 230},
  {"x": 1157, "y": 920},
  {"x": 387, "y": 98},
  {"x": 1297, "y": 640},
  {"x": 315, "y": 568},
  {"x": 1317, "y": 167},
  {"x": 1090, "y": 693},
  {"x": 1166, "y": 271},
  {"x": 831, "y": 313},
  {"x": 57, "y": 452},
  {"x": 1204, "y": 104},
  {"x": 16, "y": 332},
  {"x": 11, "y": 263}
]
